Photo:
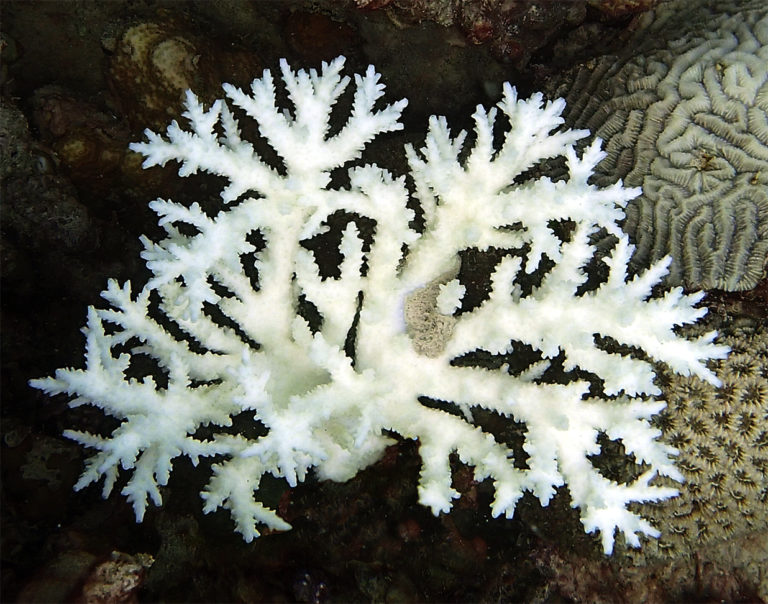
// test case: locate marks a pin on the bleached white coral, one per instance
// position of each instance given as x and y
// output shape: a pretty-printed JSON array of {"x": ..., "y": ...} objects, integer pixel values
[{"x": 240, "y": 316}]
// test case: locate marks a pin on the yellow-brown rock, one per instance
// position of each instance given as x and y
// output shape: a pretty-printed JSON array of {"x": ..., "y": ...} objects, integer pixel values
[{"x": 155, "y": 62}]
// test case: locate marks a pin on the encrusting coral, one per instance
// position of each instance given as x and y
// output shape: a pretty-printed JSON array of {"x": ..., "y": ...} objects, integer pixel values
[
  {"x": 684, "y": 113},
  {"x": 241, "y": 319},
  {"x": 722, "y": 436}
]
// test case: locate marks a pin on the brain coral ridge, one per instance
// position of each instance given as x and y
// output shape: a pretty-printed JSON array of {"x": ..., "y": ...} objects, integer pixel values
[{"x": 684, "y": 114}]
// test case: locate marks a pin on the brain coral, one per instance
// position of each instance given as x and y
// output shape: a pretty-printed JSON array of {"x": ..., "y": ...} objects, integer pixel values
[
  {"x": 684, "y": 114},
  {"x": 722, "y": 436}
]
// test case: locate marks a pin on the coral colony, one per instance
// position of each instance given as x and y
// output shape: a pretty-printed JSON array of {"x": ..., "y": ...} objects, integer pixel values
[
  {"x": 241, "y": 318},
  {"x": 687, "y": 118}
]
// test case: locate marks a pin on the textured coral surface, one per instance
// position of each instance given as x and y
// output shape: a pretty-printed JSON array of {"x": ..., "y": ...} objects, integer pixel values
[
  {"x": 722, "y": 436},
  {"x": 684, "y": 114}
]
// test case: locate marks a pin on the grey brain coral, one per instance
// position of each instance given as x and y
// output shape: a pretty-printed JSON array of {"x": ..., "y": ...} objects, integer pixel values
[
  {"x": 722, "y": 436},
  {"x": 684, "y": 114}
]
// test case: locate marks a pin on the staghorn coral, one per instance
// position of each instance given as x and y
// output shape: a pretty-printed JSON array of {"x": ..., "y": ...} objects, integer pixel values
[
  {"x": 273, "y": 358},
  {"x": 685, "y": 115}
]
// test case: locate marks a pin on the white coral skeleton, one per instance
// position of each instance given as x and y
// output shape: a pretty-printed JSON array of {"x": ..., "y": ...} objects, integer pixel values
[{"x": 227, "y": 315}]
